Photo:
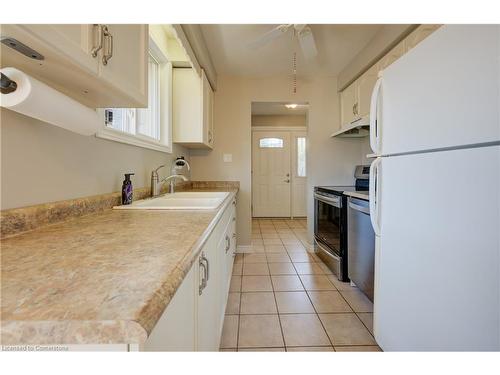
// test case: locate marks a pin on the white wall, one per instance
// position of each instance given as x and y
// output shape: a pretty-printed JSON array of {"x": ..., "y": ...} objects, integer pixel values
[
  {"x": 330, "y": 161},
  {"x": 279, "y": 120},
  {"x": 44, "y": 163}
]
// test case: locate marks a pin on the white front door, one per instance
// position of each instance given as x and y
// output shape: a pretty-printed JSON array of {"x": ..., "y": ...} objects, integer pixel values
[
  {"x": 299, "y": 179},
  {"x": 271, "y": 174}
]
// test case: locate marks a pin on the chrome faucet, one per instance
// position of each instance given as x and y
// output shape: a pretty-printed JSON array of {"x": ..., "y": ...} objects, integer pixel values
[{"x": 156, "y": 182}]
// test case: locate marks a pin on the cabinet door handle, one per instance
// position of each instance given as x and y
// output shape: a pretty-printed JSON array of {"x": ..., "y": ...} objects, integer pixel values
[
  {"x": 99, "y": 42},
  {"x": 207, "y": 265},
  {"x": 228, "y": 243},
  {"x": 108, "y": 42},
  {"x": 204, "y": 278},
  {"x": 355, "y": 109}
]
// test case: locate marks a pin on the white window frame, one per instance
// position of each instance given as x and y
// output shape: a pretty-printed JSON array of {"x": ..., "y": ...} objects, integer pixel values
[
  {"x": 165, "y": 142},
  {"x": 296, "y": 149}
]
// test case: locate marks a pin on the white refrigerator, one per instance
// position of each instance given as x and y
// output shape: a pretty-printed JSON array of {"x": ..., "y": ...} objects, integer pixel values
[{"x": 435, "y": 194}]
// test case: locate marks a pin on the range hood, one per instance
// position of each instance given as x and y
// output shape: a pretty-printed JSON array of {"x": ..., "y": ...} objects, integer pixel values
[{"x": 356, "y": 129}]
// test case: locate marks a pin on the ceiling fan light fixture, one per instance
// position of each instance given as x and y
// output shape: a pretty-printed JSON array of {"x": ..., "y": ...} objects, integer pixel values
[{"x": 291, "y": 106}]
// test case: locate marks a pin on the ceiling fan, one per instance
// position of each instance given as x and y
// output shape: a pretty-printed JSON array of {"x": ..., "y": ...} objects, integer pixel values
[{"x": 302, "y": 31}]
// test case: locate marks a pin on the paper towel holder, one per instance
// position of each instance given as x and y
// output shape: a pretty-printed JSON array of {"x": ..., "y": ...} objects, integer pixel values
[
  {"x": 21, "y": 48},
  {"x": 7, "y": 85}
]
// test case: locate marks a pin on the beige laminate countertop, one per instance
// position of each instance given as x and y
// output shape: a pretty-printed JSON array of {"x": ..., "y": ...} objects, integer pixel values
[{"x": 102, "y": 278}]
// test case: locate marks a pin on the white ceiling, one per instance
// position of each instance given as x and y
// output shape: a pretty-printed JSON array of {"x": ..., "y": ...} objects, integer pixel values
[
  {"x": 278, "y": 108},
  {"x": 336, "y": 44}
]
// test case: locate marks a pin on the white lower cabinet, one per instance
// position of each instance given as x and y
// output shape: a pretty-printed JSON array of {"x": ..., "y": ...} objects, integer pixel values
[
  {"x": 207, "y": 320},
  {"x": 176, "y": 329},
  {"x": 194, "y": 317}
]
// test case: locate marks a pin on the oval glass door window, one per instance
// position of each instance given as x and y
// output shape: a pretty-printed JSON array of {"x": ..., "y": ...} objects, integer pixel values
[{"x": 271, "y": 143}]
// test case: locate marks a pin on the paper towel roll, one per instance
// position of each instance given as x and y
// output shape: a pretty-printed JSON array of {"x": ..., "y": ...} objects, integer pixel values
[{"x": 35, "y": 99}]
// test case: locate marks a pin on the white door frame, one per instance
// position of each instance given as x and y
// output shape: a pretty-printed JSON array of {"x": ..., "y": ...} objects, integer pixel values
[{"x": 290, "y": 129}]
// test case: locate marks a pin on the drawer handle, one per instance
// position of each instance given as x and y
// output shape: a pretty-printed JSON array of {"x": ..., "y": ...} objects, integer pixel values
[
  {"x": 204, "y": 258},
  {"x": 203, "y": 284}
]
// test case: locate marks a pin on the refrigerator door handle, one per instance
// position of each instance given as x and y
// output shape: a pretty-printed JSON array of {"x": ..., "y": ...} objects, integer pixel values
[
  {"x": 373, "y": 195},
  {"x": 374, "y": 139}
]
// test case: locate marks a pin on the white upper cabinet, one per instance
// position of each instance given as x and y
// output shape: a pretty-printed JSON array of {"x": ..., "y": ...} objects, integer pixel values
[
  {"x": 364, "y": 90},
  {"x": 355, "y": 98},
  {"x": 391, "y": 56},
  {"x": 74, "y": 61},
  {"x": 348, "y": 102},
  {"x": 126, "y": 67},
  {"x": 208, "y": 110},
  {"x": 74, "y": 41},
  {"x": 193, "y": 100}
]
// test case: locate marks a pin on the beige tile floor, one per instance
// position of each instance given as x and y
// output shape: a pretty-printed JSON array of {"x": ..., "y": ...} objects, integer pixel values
[{"x": 283, "y": 298}]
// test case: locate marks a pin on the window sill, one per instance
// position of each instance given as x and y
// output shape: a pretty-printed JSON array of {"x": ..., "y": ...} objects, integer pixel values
[{"x": 135, "y": 140}]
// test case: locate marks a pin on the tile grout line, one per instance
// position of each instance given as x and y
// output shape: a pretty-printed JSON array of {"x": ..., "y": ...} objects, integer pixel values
[
  {"x": 357, "y": 316},
  {"x": 317, "y": 314},
  {"x": 239, "y": 319},
  {"x": 276, "y": 304}
]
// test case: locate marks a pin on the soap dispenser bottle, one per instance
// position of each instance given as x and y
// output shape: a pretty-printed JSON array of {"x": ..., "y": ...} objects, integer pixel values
[{"x": 127, "y": 191}]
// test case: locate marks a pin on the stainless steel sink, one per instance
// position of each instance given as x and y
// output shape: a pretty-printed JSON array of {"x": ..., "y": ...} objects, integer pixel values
[{"x": 179, "y": 201}]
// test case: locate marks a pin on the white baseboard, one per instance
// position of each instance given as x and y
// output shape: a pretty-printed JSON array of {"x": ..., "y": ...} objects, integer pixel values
[{"x": 244, "y": 249}]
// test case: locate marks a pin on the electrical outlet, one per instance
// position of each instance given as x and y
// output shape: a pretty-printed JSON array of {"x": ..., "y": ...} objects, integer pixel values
[{"x": 228, "y": 158}]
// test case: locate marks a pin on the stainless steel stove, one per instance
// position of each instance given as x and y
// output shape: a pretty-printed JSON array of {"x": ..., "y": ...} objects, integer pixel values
[{"x": 330, "y": 221}]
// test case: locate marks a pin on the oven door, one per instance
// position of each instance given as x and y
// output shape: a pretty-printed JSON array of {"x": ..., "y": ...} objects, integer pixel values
[{"x": 327, "y": 222}]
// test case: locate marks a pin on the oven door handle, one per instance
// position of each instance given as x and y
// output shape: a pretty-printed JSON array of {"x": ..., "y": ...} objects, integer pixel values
[
  {"x": 329, "y": 253},
  {"x": 359, "y": 208},
  {"x": 333, "y": 201}
]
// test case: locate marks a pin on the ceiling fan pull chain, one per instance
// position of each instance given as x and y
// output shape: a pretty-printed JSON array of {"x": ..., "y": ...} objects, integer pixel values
[{"x": 295, "y": 72}]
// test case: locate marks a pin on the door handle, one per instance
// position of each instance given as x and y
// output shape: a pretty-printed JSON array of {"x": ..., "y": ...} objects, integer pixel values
[
  {"x": 228, "y": 243},
  {"x": 374, "y": 194},
  {"x": 374, "y": 138}
]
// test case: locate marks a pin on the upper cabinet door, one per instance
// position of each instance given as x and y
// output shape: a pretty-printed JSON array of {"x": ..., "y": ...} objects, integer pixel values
[
  {"x": 70, "y": 67},
  {"x": 365, "y": 87},
  {"x": 348, "y": 103},
  {"x": 419, "y": 34},
  {"x": 392, "y": 56},
  {"x": 126, "y": 50},
  {"x": 208, "y": 101},
  {"x": 73, "y": 41}
]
